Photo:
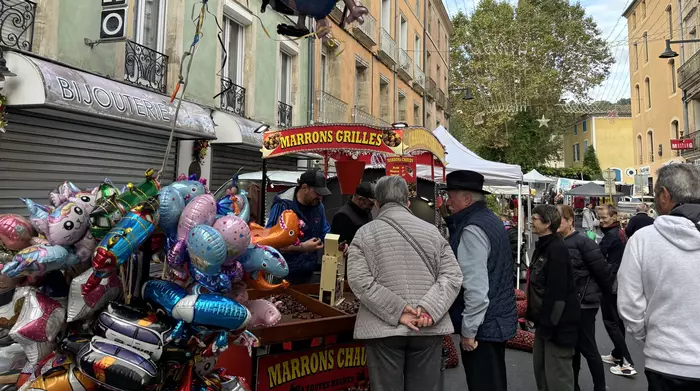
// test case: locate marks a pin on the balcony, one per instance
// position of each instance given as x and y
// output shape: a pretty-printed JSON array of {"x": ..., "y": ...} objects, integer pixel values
[
  {"x": 145, "y": 67},
  {"x": 431, "y": 88},
  {"x": 331, "y": 110},
  {"x": 405, "y": 66},
  {"x": 366, "y": 32},
  {"x": 232, "y": 97},
  {"x": 440, "y": 99},
  {"x": 382, "y": 124},
  {"x": 362, "y": 117},
  {"x": 692, "y": 154},
  {"x": 418, "y": 79},
  {"x": 387, "y": 48},
  {"x": 337, "y": 11},
  {"x": 689, "y": 72},
  {"x": 688, "y": 7},
  {"x": 284, "y": 115},
  {"x": 17, "y": 26}
]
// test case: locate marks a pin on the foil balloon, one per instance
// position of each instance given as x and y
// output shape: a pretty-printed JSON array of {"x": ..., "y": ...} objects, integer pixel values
[
  {"x": 204, "y": 309},
  {"x": 236, "y": 233},
  {"x": 122, "y": 241},
  {"x": 16, "y": 232},
  {"x": 64, "y": 378},
  {"x": 206, "y": 248},
  {"x": 258, "y": 280},
  {"x": 85, "y": 247},
  {"x": 263, "y": 313},
  {"x": 86, "y": 199},
  {"x": 219, "y": 283},
  {"x": 106, "y": 189},
  {"x": 116, "y": 366},
  {"x": 38, "y": 324},
  {"x": 11, "y": 302},
  {"x": 111, "y": 209},
  {"x": 319, "y": 10},
  {"x": 65, "y": 225},
  {"x": 37, "y": 213},
  {"x": 171, "y": 206},
  {"x": 235, "y": 202},
  {"x": 178, "y": 259},
  {"x": 83, "y": 306},
  {"x": 189, "y": 189},
  {"x": 38, "y": 260},
  {"x": 201, "y": 210},
  {"x": 266, "y": 259},
  {"x": 31, "y": 372},
  {"x": 61, "y": 194},
  {"x": 6, "y": 255},
  {"x": 12, "y": 358},
  {"x": 285, "y": 233},
  {"x": 239, "y": 292},
  {"x": 233, "y": 270},
  {"x": 134, "y": 328}
]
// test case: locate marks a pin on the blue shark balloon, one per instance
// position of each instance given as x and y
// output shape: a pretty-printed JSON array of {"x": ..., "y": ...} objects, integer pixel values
[
  {"x": 171, "y": 206},
  {"x": 264, "y": 258},
  {"x": 206, "y": 248}
]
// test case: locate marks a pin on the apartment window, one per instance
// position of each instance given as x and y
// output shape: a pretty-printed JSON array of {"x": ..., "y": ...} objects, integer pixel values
[
  {"x": 418, "y": 8},
  {"x": 675, "y": 130},
  {"x": 672, "y": 70},
  {"x": 149, "y": 23},
  {"x": 640, "y": 148},
  {"x": 438, "y": 35},
  {"x": 437, "y": 76},
  {"x": 650, "y": 145},
  {"x": 669, "y": 14},
  {"x": 234, "y": 56},
  {"x": 644, "y": 9},
  {"x": 647, "y": 85},
  {"x": 384, "y": 99},
  {"x": 362, "y": 86},
  {"x": 417, "y": 117},
  {"x": 402, "y": 106},
  {"x": 585, "y": 147},
  {"x": 403, "y": 31},
  {"x": 577, "y": 156},
  {"x": 646, "y": 47},
  {"x": 429, "y": 17},
  {"x": 285, "y": 90},
  {"x": 386, "y": 15},
  {"x": 575, "y": 130},
  {"x": 634, "y": 20},
  {"x": 417, "y": 54},
  {"x": 638, "y": 98},
  {"x": 584, "y": 125},
  {"x": 428, "y": 121},
  {"x": 636, "y": 57}
]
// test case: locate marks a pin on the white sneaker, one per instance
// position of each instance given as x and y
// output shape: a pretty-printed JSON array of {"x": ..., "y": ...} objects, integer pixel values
[
  {"x": 623, "y": 370},
  {"x": 609, "y": 359}
]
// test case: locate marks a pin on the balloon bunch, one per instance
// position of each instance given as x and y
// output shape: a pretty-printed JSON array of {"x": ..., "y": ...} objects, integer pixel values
[{"x": 67, "y": 285}]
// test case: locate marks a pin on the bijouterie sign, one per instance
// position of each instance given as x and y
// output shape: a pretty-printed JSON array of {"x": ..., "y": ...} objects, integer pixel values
[
  {"x": 681, "y": 144},
  {"x": 331, "y": 368}
]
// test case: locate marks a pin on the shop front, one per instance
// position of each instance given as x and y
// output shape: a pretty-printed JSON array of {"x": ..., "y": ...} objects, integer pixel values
[{"x": 68, "y": 124}]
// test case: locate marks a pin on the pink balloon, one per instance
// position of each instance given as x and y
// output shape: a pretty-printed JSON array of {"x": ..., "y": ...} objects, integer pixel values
[
  {"x": 236, "y": 233},
  {"x": 201, "y": 210},
  {"x": 263, "y": 313},
  {"x": 15, "y": 231}
]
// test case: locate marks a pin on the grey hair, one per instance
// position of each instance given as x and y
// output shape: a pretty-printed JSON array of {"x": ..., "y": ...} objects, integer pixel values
[
  {"x": 682, "y": 182},
  {"x": 642, "y": 207},
  {"x": 391, "y": 189},
  {"x": 475, "y": 195}
]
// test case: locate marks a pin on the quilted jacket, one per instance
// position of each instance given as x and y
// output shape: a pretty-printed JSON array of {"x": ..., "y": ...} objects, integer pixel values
[{"x": 386, "y": 274}]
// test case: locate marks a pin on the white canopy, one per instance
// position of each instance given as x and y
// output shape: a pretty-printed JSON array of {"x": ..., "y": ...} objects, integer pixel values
[
  {"x": 460, "y": 157},
  {"x": 507, "y": 190},
  {"x": 535, "y": 177},
  {"x": 277, "y": 177}
]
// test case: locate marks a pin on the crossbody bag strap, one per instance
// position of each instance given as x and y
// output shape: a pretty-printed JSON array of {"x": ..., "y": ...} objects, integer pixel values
[{"x": 412, "y": 241}]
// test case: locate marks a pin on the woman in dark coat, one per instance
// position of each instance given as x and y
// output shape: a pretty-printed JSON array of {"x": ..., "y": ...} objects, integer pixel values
[{"x": 593, "y": 279}]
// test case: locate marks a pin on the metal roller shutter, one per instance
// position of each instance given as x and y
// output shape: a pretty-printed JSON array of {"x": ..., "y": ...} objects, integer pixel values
[
  {"x": 227, "y": 159},
  {"x": 38, "y": 153}
]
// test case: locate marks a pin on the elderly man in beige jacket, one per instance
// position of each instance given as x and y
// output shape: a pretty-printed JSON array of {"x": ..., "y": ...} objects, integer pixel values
[{"x": 406, "y": 277}]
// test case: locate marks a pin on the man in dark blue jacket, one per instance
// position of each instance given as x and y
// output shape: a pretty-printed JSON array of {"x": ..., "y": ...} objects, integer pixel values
[
  {"x": 484, "y": 312},
  {"x": 306, "y": 200}
]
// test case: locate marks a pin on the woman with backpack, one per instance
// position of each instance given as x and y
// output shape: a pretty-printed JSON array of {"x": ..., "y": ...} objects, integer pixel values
[{"x": 593, "y": 279}]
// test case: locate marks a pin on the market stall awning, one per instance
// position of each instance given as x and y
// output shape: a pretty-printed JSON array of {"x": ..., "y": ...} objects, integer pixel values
[
  {"x": 535, "y": 177},
  {"x": 276, "y": 177},
  {"x": 234, "y": 129},
  {"x": 507, "y": 190},
  {"x": 54, "y": 89},
  {"x": 590, "y": 189}
]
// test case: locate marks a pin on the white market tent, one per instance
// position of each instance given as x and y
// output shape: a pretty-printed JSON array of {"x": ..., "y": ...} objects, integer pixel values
[
  {"x": 535, "y": 177},
  {"x": 460, "y": 157}
]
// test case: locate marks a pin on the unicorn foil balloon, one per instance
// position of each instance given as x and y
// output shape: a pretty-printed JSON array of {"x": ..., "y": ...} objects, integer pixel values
[{"x": 66, "y": 225}]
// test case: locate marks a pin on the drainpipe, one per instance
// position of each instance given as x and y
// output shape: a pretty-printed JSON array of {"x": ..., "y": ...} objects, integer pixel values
[
  {"x": 312, "y": 74},
  {"x": 685, "y": 102}
]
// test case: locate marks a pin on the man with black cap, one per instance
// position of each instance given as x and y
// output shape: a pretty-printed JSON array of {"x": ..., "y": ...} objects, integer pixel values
[
  {"x": 484, "y": 313},
  {"x": 356, "y": 213},
  {"x": 306, "y": 201}
]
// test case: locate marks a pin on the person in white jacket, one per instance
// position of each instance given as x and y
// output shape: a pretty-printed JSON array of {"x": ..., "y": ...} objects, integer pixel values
[
  {"x": 591, "y": 223},
  {"x": 658, "y": 282}
]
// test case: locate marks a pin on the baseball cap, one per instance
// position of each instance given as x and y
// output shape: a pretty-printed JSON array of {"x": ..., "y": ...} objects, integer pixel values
[
  {"x": 365, "y": 189},
  {"x": 316, "y": 180}
]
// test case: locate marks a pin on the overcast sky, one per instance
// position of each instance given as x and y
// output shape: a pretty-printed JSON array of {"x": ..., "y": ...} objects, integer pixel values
[{"x": 607, "y": 14}]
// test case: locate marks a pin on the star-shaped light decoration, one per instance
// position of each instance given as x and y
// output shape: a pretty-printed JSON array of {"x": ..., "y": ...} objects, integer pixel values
[{"x": 543, "y": 122}]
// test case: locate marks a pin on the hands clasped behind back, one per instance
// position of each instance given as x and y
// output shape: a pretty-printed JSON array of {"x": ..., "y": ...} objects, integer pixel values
[{"x": 415, "y": 319}]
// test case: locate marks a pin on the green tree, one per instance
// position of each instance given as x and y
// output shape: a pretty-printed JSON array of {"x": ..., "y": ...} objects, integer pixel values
[
  {"x": 590, "y": 162},
  {"x": 520, "y": 61}
]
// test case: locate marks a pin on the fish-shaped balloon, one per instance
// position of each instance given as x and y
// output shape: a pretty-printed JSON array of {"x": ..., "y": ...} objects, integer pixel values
[
  {"x": 40, "y": 259},
  {"x": 189, "y": 189},
  {"x": 285, "y": 233},
  {"x": 264, "y": 258}
]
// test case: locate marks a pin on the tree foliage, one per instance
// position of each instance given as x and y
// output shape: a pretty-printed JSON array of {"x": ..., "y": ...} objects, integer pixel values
[
  {"x": 590, "y": 162},
  {"x": 528, "y": 57},
  {"x": 583, "y": 173}
]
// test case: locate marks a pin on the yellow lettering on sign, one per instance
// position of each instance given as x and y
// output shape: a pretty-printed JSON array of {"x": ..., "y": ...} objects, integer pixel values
[
  {"x": 372, "y": 138},
  {"x": 357, "y": 360},
  {"x": 286, "y": 373},
  {"x": 295, "y": 368},
  {"x": 284, "y": 142},
  {"x": 305, "y": 370},
  {"x": 300, "y": 138},
  {"x": 307, "y": 138},
  {"x": 274, "y": 374},
  {"x": 315, "y": 137},
  {"x": 314, "y": 363}
]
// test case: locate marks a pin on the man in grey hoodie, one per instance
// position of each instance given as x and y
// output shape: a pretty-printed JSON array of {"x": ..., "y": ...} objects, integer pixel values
[{"x": 660, "y": 270}]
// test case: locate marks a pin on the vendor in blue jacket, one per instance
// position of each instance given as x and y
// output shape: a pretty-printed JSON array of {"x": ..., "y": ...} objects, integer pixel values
[{"x": 306, "y": 200}]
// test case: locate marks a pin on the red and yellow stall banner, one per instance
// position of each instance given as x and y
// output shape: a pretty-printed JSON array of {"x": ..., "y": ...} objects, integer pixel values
[
  {"x": 405, "y": 167},
  {"x": 330, "y": 368},
  {"x": 332, "y": 138}
]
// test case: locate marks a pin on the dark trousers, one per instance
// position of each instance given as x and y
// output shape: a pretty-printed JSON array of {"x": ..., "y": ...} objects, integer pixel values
[
  {"x": 588, "y": 348},
  {"x": 662, "y": 382},
  {"x": 485, "y": 367},
  {"x": 615, "y": 328},
  {"x": 553, "y": 365},
  {"x": 404, "y": 363}
]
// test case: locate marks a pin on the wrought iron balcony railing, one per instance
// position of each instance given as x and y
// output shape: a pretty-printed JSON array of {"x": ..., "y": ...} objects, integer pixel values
[
  {"x": 383, "y": 124},
  {"x": 440, "y": 98},
  {"x": 17, "y": 23},
  {"x": 232, "y": 97},
  {"x": 431, "y": 87},
  {"x": 331, "y": 109},
  {"x": 405, "y": 65},
  {"x": 695, "y": 136},
  {"x": 418, "y": 78},
  {"x": 689, "y": 72},
  {"x": 145, "y": 67},
  {"x": 387, "y": 47},
  {"x": 362, "y": 117},
  {"x": 367, "y": 31},
  {"x": 284, "y": 115}
]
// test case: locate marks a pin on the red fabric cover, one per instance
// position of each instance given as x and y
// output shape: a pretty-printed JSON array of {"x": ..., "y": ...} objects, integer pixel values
[
  {"x": 520, "y": 295},
  {"x": 523, "y": 340},
  {"x": 521, "y": 305},
  {"x": 449, "y": 352}
]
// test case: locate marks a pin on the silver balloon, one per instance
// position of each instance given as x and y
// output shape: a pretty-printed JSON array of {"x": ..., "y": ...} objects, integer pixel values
[{"x": 38, "y": 324}]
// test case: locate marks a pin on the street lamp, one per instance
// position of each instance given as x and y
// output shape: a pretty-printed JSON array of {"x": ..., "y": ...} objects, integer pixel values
[
  {"x": 669, "y": 53},
  {"x": 467, "y": 92}
]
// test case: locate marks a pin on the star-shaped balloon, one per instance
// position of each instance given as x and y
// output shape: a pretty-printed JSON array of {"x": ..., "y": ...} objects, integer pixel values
[{"x": 38, "y": 325}]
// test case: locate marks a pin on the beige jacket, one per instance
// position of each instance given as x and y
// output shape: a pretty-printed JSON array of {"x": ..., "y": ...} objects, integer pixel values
[{"x": 386, "y": 274}]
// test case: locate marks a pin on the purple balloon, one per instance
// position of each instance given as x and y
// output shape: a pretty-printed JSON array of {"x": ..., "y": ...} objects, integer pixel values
[
  {"x": 236, "y": 233},
  {"x": 201, "y": 210}
]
